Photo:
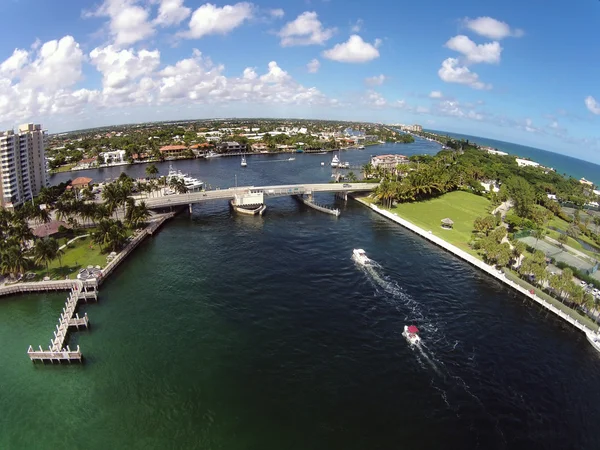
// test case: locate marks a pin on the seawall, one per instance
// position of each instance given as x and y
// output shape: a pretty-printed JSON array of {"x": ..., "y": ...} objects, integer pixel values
[{"x": 490, "y": 270}]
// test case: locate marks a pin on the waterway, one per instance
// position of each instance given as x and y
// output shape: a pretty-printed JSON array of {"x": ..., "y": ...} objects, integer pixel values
[{"x": 229, "y": 332}]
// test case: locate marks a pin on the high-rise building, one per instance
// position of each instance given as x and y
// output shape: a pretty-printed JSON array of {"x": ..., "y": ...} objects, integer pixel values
[{"x": 22, "y": 164}]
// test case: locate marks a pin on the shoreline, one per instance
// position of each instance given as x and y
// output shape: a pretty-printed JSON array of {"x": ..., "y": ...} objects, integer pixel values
[
  {"x": 67, "y": 284},
  {"x": 490, "y": 270}
]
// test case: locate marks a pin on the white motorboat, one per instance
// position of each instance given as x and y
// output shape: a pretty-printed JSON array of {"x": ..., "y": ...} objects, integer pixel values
[
  {"x": 411, "y": 333},
  {"x": 322, "y": 163},
  {"x": 594, "y": 340},
  {"x": 361, "y": 147},
  {"x": 360, "y": 256},
  {"x": 212, "y": 154},
  {"x": 192, "y": 184},
  {"x": 291, "y": 159},
  {"x": 335, "y": 161},
  {"x": 244, "y": 163}
]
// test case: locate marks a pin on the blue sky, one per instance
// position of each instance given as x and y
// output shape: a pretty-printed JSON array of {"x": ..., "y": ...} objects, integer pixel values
[{"x": 525, "y": 74}]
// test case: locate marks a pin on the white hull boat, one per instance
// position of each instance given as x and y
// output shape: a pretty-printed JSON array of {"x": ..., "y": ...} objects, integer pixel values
[
  {"x": 360, "y": 257},
  {"x": 411, "y": 334},
  {"x": 335, "y": 161},
  {"x": 192, "y": 184},
  {"x": 244, "y": 163},
  {"x": 594, "y": 340},
  {"x": 212, "y": 155}
]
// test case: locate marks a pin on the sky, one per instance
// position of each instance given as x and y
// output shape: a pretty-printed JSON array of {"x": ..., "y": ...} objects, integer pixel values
[{"x": 509, "y": 71}]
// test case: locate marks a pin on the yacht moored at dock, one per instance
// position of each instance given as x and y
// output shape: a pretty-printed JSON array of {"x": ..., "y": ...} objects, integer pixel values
[
  {"x": 212, "y": 154},
  {"x": 594, "y": 339},
  {"x": 192, "y": 184}
]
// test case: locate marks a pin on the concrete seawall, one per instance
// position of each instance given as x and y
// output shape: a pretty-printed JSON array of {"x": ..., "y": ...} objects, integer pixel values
[{"x": 490, "y": 270}]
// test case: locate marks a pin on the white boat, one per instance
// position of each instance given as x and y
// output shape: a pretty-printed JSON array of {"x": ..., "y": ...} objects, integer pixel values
[
  {"x": 244, "y": 163},
  {"x": 360, "y": 256},
  {"x": 411, "y": 333},
  {"x": 594, "y": 340},
  {"x": 335, "y": 161},
  {"x": 361, "y": 147},
  {"x": 192, "y": 184},
  {"x": 291, "y": 159},
  {"x": 322, "y": 163},
  {"x": 212, "y": 154}
]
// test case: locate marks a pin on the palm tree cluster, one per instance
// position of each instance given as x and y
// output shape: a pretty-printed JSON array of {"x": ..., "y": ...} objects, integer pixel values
[
  {"x": 419, "y": 182},
  {"x": 14, "y": 237}
]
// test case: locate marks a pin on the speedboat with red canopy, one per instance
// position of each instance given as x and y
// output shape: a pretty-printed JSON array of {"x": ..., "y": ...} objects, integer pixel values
[{"x": 411, "y": 333}]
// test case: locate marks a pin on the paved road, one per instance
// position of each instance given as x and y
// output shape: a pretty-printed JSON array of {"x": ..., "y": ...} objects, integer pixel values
[{"x": 268, "y": 191}]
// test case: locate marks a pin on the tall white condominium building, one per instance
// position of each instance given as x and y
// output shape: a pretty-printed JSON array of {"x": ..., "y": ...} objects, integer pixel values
[{"x": 22, "y": 164}]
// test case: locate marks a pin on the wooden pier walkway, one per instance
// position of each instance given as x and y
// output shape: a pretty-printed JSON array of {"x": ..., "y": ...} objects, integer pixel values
[{"x": 57, "y": 350}]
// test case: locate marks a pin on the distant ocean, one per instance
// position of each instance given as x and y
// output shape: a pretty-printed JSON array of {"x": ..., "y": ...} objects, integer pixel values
[{"x": 561, "y": 163}]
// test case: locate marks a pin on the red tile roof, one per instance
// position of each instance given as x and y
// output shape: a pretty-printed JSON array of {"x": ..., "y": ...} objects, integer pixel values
[{"x": 81, "y": 181}]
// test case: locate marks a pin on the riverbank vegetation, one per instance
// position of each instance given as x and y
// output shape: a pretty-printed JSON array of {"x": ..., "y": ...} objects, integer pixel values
[
  {"x": 465, "y": 184},
  {"x": 106, "y": 227}
]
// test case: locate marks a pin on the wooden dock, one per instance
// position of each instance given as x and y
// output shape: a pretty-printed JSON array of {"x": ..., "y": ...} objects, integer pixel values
[{"x": 58, "y": 350}]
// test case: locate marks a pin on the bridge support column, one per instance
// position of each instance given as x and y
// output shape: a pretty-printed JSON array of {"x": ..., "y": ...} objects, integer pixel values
[{"x": 190, "y": 208}]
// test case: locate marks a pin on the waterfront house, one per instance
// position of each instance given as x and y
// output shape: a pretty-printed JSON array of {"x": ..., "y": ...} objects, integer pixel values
[
  {"x": 388, "y": 162},
  {"x": 115, "y": 156},
  {"x": 259, "y": 147},
  {"x": 586, "y": 182},
  {"x": 87, "y": 163},
  {"x": 526, "y": 162},
  {"x": 231, "y": 147},
  {"x": 172, "y": 150},
  {"x": 81, "y": 182}
]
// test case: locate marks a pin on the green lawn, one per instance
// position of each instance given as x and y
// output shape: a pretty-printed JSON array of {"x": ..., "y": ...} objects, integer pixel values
[
  {"x": 462, "y": 207},
  {"x": 64, "y": 168},
  {"x": 79, "y": 254}
]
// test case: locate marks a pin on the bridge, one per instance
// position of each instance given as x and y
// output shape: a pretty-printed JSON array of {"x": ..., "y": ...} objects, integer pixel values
[{"x": 267, "y": 191}]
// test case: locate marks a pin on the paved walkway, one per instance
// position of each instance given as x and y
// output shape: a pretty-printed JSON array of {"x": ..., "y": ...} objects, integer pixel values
[{"x": 479, "y": 264}]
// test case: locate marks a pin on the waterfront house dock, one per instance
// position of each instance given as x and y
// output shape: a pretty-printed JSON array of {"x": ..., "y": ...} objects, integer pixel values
[{"x": 58, "y": 350}]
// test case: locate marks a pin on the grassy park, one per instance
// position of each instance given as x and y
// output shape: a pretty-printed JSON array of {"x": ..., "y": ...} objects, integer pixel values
[
  {"x": 77, "y": 255},
  {"x": 462, "y": 207}
]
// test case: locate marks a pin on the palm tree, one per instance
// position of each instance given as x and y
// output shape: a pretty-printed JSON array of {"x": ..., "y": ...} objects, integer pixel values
[
  {"x": 151, "y": 170},
  {"x": 45, "y": 251},
  {"x": 112, "y": 197},
  {"x": 13, "y": 260},
  {"x": 111, "y": 234}
]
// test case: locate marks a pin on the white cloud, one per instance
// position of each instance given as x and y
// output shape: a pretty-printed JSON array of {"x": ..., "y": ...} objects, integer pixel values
[
  {"x": 306, "y": 29},
  {"x": 126, "y": 74},
  {"x": 13, "y": 65},
  {"x": 377, "y": 80},
  {"x": 451, "y": 72},
  {"x": 313, "y": 66},
  {"x": 435, "y": 94},
  {"x": 374, "y": 99},
  {"x": 474, "y": 53},
  {"x": 491, "y": 28},
  {"x": 210, "y": 19},
  {"x": 529, "y": 126},
  {"x": 357, "y": 26},
  {"x": 592, "y": 105},
  {"x": 36, "y": 83},
  {"x": 128, "y": 22},
  {"x": 172, "y": 12},
  {"x": 355, "y": 50},
  {"x": 277, "y": 13}
]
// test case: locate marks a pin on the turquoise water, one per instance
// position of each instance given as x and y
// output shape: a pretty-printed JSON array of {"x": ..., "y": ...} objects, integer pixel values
[{"x": 561, "y": 163}]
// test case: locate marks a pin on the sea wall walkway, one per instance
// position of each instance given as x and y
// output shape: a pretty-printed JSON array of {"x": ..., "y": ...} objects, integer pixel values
[{"x": 490, "y": 270}]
